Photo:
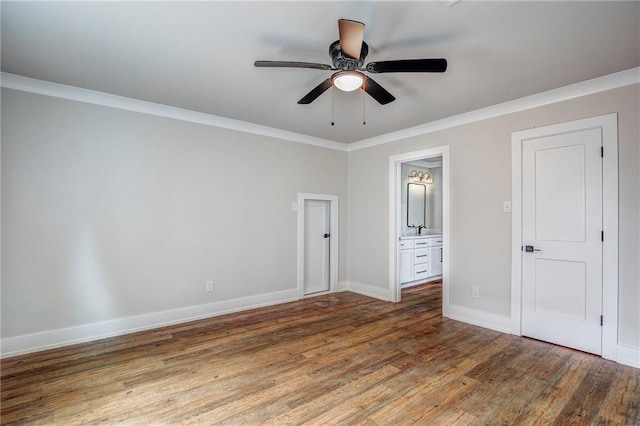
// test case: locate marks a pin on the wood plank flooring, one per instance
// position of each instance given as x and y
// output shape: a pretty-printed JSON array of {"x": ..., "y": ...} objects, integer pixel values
[{"x": 333, "y": 359}]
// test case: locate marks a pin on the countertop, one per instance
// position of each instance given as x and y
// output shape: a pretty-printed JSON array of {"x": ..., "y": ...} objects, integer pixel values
[{"x": 426, "y": 234}]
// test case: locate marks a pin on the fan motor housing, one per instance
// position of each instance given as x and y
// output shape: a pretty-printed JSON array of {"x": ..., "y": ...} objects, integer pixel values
[{"x": 345, "y": 62}]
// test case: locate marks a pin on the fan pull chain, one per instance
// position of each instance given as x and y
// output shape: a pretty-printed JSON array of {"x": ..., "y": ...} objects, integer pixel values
[
  {"x": 364, "y": 110},
  {"x": 332, "y": 122}
]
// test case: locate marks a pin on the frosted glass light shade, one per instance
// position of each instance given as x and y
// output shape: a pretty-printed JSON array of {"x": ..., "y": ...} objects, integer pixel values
[
  {"x": 420, "y": 177},
  {"x": 348, "y": 81}
]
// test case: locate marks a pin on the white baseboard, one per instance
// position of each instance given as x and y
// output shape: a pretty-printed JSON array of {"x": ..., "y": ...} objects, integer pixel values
[
  {"x": 369, "y": 290},
  {"x": 628, "y": 356},
  {"x": 480, "y": 318},
  {"x": 18, "y": 345}
]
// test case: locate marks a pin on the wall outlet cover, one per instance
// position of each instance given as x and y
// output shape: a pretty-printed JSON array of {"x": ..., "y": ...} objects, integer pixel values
[{"x": 475, "y": 292}]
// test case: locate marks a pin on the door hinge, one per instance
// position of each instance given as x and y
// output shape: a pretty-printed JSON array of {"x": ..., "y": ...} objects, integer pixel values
[
  {"x": 602, "y": 151},
  {"x": 601, "y": 320},
  {"x": 601, "y": 235}
]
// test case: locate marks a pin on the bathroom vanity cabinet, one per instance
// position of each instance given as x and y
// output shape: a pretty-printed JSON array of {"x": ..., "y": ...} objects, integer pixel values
[{"x": 420, "y": 258}]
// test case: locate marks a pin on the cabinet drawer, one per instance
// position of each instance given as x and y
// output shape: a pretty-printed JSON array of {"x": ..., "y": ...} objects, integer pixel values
[
  {"x": 420, "y": 255},
  {"x": 420, "y": 242},
  {"x": 420, "y": 271},
  {"x": 434, "y": 242},
  {"x": 406, "y": 244}
]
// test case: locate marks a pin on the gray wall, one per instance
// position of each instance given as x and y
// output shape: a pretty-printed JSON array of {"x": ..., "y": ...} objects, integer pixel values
[
  {"x": 109, "y": 213},
  {"x": 480, "y": 238}
]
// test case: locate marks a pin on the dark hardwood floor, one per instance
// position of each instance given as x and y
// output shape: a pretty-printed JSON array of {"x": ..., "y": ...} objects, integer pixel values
[{"x": 333, "y": 359}]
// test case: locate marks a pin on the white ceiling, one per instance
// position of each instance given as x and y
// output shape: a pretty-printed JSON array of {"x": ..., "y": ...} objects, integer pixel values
[{"x": 200, "y": 55}]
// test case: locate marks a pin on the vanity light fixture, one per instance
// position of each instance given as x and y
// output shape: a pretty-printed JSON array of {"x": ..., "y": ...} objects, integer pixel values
[{"x": 420, "y": 177}]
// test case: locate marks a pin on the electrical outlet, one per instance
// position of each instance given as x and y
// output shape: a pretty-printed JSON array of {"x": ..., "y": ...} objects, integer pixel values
[
  {"x": 475, "y": 292},
  {"x": 209, "y": 286}
]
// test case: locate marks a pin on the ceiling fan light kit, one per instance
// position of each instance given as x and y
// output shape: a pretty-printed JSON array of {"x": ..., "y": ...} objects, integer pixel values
[
  {"x": 347, "y": 55},
  {"x": 348, "y": 81}
]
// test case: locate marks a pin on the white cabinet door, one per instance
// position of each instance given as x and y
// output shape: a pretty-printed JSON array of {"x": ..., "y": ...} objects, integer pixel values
[
  {"x": 406, "y": 266},
  {"x": 435, "y": 261}
]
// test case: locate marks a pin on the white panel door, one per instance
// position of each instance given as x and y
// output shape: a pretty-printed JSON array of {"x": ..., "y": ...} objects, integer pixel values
[
  {"x": 562, "y": 252},
  {"x": 316, "y": 246}
]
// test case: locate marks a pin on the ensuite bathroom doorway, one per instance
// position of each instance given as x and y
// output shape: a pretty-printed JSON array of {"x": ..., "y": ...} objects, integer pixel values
[{"x": 419, "y": 224}]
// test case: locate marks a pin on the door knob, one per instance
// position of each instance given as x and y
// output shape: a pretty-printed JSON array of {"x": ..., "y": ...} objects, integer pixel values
[
  {"x": 327, "y": 235},
  {"x": 530, "y": 249}
]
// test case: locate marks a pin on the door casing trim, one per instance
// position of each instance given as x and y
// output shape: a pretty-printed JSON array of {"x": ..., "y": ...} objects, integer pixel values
[
  {"x": 395, "y": 162},
  {"x": 333, "y": 242},
  {"x": 609, "y": 127}
]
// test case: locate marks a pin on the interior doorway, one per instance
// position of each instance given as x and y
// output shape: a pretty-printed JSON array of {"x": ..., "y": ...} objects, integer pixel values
[
  {"x": 396, "y": 222},
  {"x": 420, "y": 221},
  {"x": 317, "y": 243}
]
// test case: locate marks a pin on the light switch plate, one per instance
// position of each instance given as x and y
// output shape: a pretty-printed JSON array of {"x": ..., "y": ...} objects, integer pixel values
[
  {"x": 475, "y": 292},
  {"x": 294, "y": 206},
  {"x": 506, "y": 206}
]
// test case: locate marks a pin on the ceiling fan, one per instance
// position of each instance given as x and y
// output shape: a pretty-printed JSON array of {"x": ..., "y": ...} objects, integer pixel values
[{"x": 348, "y": 56}]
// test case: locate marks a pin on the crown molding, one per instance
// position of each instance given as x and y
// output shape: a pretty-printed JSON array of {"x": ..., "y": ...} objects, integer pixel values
[
  {"x": 63, "y": 91},
  {"x": 588, "y": 87}
]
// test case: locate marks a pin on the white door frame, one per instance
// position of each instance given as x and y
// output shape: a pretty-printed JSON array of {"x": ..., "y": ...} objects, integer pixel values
[
  {"x": 395, "y": 162},
  {"x": 609, "y": 128},
  {"x": 333, "y": 242}
]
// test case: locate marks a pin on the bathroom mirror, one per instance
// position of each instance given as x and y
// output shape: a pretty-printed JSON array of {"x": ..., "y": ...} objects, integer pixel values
[{"x": 416, "y": 204}]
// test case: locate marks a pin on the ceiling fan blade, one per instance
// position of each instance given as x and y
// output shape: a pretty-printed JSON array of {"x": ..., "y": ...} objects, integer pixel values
[
  {"x": 289, "y": 64},
  {"x": 351, "y": 37},
  {"x": 377, "y": 92},
  {"x": 409, "y": 65},
  {"x": 317, "y": 91}
]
